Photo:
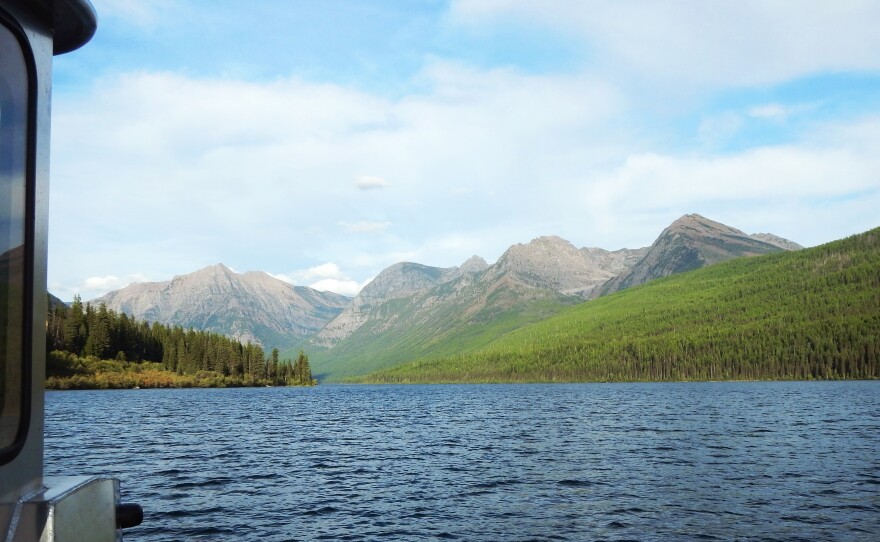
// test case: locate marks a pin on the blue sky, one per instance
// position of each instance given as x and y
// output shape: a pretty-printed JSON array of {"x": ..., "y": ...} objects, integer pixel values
[{"x": 324, "y": 140}]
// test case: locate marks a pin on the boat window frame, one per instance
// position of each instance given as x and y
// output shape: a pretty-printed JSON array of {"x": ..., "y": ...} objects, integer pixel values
[{"x": 25, "y": 89}]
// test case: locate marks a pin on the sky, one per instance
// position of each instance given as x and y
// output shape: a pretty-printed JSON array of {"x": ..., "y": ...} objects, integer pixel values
[{"x": 321, "y": 141}]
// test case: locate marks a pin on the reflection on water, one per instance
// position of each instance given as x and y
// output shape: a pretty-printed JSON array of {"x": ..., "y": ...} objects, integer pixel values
[{"x": 723, "y": 461}]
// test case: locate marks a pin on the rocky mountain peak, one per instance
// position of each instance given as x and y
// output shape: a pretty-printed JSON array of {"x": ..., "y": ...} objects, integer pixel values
[
  {"x": 398, "y": 281},
  {"x": 537, "y": 250},
  {"x": 216, "y": 274},
  {"x": 252, "y": 307},
  {"x": 216, "y": 270},
  {"x": 474, "y": 264},
  {"x": 255, "y": 306},
  {"x": 553, "y": 263},
  {"x": 699, "y": 226},
  {"x": 691, "y": 242},
  {"x": 403, "y": 279}
]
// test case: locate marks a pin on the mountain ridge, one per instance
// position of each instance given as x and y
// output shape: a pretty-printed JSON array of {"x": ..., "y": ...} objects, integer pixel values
[
  {"x": 251, "y": 307},
  {"x": 529, "y": 281},
  {"x": 788, "y": 315},
  {"x": 691, "y": 242},
  {"x": 408, "y": 308}
]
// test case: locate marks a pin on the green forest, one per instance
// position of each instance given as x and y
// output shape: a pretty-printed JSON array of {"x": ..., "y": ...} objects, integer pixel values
[
  {"x": 94, "y": 347},
  {"x": 809, "y": 314}
]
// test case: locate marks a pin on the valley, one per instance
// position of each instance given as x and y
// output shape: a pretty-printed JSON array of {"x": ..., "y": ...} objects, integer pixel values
[{"x": 482, "y": 322}]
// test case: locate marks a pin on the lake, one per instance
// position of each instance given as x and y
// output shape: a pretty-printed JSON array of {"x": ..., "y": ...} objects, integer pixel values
[{"x": 688, "y": 461}]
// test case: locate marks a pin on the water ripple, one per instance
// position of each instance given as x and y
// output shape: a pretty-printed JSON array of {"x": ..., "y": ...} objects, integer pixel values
[{"x": 648, "y": 462}]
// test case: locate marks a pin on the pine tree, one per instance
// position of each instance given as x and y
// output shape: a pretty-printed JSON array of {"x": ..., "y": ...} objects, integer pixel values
[
  {"x": 301, "y": 375},
  {"x": 74, "y": 327},
  {"x": 273, "y": 366}
]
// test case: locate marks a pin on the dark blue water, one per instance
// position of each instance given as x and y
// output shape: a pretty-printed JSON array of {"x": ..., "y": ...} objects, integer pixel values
[{"x": 707, "y": 461}]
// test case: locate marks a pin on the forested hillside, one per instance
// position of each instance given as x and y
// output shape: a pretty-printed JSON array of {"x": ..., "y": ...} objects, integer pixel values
[
  {"x": 93, "y": 347},
  {"x": 411, "y": 311},
  {"x": 811, "y": 314}
]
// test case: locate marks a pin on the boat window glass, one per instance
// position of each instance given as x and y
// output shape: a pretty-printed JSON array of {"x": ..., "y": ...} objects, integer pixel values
[{"x": 13, "y": 211}]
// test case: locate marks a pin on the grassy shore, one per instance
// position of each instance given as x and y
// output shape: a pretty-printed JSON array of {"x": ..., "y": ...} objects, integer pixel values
[{"x": 68, "y": 372}]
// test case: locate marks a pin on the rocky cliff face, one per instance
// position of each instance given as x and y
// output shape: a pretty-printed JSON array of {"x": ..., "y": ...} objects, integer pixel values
[
  {"x": 251, "y": 307},
  {"x": 472, "y": 265},
  {"x": 409, "y": 295},
  {"x": 775, "y": 240},
  {"x": 614, "y": 262},
  {"x": 401, "y": 280},
  {"x": 555, "y": 264},
  {"x": 456, "y": 310},
  {"x": 689, "y": 243}
]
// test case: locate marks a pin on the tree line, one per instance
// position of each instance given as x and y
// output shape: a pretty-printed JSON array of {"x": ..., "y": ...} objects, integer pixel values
[{"x": 83, "y": 332}]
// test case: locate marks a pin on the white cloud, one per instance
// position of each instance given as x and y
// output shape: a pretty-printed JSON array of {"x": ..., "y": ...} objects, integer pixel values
[
  {"x": 344, "y": 287},
  {"x": 744, "y": 42},
  {"x": 365, "y": 226},
  {"x": 779, "y": 112},
  {"x": 791, "y": 184},
  {"x": 718, "y": 128},
  {"x": 110, "y": 281},
  {"x": 653, "y": 180},
  {"x": 325, "y": 270},
  {"x": 200, "y": 170},
  {"x": 93, "y": 287},
  {"x": 304, "y": 276},
  {"x": 368, "y": 182},
  {"x": 178, "y": 172},
  {"x": 326, "y": 277},
  {"x": 768, "y": 111}
]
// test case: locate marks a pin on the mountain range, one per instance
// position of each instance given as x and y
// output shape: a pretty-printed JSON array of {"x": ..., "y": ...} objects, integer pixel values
[
  {"x": 411, "y": 309},
  {"x": 251, "y": 307}
]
